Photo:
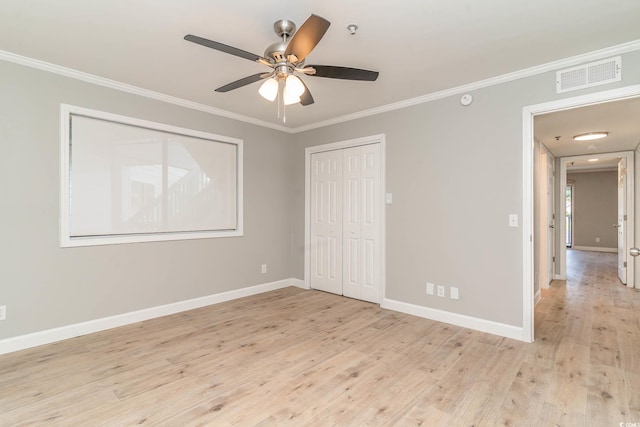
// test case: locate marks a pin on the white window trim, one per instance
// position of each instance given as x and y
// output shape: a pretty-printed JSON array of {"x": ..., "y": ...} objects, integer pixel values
[{"x": 66, "y": 240}]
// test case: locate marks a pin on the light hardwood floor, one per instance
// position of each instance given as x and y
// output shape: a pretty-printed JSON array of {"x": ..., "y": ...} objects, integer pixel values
[{"x": 296, "y": 357}]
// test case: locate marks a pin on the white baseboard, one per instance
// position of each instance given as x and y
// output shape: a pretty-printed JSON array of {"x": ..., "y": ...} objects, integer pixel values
[
  {"x": 300, "y": 284},
  {"x": 482, "y": 325},
  {"x": 559, "y": 277},
  {"x": 538, "y": 297},
  {"x": 35, "y": 339},
  {"x": 595, "y": 249}
]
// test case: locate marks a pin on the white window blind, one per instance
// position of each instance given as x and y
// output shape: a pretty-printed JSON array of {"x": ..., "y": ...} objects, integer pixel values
[{"x": 128, "y": 180}]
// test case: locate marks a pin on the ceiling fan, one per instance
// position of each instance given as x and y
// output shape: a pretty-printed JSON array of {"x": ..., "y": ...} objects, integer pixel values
[{"x": 285, "y": 58}]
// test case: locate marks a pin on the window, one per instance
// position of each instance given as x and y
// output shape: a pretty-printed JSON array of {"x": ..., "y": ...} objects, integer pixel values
[{"x": 126, "y": 180}]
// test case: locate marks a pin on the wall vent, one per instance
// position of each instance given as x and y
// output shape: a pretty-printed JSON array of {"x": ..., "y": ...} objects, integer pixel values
[{"x": 588, "y": 75}]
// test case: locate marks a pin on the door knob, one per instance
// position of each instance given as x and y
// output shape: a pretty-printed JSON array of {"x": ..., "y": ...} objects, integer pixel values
[
  {"x": 634, "y": 251},
  {"x": 616, "y": 225},
  {"x": 552, "y": 226}
]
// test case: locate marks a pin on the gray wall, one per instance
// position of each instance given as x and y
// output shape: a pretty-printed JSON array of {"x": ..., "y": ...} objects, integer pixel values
[
  {"x": 455, "y": 173},
  {"x": 45, "y": 286},
  {"x": 595, "y": 208}
]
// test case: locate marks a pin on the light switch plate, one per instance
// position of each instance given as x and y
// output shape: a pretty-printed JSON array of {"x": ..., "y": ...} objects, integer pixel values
[
  {"x": 513, "y": 220},
  {"x": 388, "y": 198}
]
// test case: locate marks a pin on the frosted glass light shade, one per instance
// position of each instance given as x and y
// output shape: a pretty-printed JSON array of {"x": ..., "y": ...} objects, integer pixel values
[
  {"x": 294, "y": 85},
  {"x": 292, "y": 90},
  {"x": 590, "y": 136},
  {"x": 269, "y": 89},
  {"x": 288, "y": 99}
]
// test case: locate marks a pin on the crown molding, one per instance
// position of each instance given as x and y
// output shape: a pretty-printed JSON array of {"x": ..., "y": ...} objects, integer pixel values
[
  {"x": 504, "y": 78},
  {"x": 123, "y": 87}
]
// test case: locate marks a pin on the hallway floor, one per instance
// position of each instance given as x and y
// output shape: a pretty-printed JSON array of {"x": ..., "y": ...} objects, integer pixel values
[{"x": 591, "y": 323}]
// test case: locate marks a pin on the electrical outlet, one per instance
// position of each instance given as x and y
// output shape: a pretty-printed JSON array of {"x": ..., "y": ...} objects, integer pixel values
[
  {"x": 429, "y": 288},
  {"x": 597, "y": 240},
  {"x": 454, "y": 292},
  {"x": 264, "y": 268},
  {"x": 3, "y": 312},
  {"x": 441, "y": 291}
]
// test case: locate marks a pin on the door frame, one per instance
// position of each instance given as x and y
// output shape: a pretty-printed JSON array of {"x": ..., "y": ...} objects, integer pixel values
[
  {"x": 629, "y": 155},
  {"x": 373, "y": 139},
  {"x": 528, "y": 113}
]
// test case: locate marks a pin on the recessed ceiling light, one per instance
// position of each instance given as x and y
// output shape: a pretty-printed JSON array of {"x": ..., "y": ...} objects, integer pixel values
[
  {"x": 593, "y": 160},
  {"x": 590, "y": 135}
]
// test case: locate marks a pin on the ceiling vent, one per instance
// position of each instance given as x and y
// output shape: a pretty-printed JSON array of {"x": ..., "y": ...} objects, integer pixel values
[{"x": 589, "y": 75}]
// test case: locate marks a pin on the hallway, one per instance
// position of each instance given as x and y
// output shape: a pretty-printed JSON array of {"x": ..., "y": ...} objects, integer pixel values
[{"x": 589, "y": 327}]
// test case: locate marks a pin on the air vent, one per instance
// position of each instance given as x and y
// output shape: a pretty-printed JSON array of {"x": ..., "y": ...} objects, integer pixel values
[{"x": 588, "y": 75}]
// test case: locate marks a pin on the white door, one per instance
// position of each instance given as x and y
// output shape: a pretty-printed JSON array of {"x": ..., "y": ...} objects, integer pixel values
[
  {"x": 345, "y": 222},
  {"x": 546, "y": 219},
  {"x": 326, "y": 221},
  {"x": 622, "y": 220},
  {"x": 361, "y": 219},
  {"x": 550, "y": 219}
]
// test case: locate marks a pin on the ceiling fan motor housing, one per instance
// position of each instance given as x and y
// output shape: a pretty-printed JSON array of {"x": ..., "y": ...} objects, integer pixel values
[
  {"x": 275, "y": 52},
  {"x": 284, "y": 28}
]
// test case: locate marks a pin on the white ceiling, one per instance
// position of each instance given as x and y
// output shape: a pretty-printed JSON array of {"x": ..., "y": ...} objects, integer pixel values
[
  {"x": 418, "y": 46},
  {"x": 621, "y": 119}
]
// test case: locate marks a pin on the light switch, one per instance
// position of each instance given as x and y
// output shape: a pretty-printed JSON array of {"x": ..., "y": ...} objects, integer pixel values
[
  {"x": 513, "y": 220},
  {"x": 388, "y": 198}
]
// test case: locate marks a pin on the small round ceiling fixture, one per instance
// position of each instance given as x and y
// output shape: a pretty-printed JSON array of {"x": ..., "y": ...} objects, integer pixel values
[
  {"x": 466, "y": 99},
  {"x": 590, "y": 136},
  {"x": 353, "y": 28}
]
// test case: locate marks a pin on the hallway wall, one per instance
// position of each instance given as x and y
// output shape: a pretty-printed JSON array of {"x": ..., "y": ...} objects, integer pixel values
[{"x": 595, "y": 202}]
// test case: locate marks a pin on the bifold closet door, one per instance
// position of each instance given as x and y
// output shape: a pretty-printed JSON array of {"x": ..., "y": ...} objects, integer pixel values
[
  {"x": 345, "y": 222},
  {"x": 326, "y": 221},
  {"x": 361, "y": 222}
]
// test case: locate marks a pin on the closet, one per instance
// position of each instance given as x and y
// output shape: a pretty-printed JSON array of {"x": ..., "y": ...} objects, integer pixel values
[{"x": 345, "y": 222}]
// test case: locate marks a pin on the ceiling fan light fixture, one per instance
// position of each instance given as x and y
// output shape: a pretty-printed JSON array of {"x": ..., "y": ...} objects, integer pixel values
[
  {"x": 590, "y": 136},
  {"x": 294, "y": 86},
  {"x": 269, "y": 89},
  {"x": 293, "y": 89}
]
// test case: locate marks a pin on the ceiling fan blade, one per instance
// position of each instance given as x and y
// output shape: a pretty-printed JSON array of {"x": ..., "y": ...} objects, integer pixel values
[
  {"x": 242, "y": 82},
  {"x": 345, "y": 73},
  {"x": 307, "y": 37},
  {"x": 306, "y": 98},
  {"x": 222, "y": 47}
]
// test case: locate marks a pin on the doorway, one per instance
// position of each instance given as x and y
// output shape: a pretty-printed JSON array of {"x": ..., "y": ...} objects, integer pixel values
[
  {"x": 344, "y": 218},
  {"x": 624, "y": 205},
  {"x": 529, "y": 112}
]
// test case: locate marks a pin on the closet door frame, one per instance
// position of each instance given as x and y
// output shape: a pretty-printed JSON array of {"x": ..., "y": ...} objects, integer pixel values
[{"x": 373, "y": 139}]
